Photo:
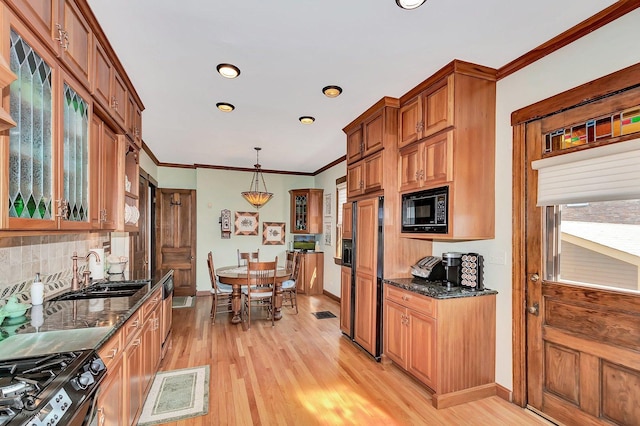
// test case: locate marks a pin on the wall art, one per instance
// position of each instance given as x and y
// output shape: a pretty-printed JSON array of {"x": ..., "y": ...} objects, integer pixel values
[
  {"x": 273, "y": 233},
  {"x": 246, "y": 223}
]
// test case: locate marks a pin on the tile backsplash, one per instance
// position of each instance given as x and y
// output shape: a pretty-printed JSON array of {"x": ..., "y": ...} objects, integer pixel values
[{"x": 50, "y": 255}]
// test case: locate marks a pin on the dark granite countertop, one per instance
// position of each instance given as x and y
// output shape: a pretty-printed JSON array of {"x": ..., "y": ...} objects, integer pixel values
[
  {"x": 71, "y": 325},
  {"x": 436, "y": 289}
]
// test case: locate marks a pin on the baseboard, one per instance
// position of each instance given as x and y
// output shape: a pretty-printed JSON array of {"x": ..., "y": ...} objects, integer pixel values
[
  {"x": 504, "y": 393},
  {"x": 203, "y": 293},
  {"x": 460, "y": 397},
  {"x": 331, "y": 296}
]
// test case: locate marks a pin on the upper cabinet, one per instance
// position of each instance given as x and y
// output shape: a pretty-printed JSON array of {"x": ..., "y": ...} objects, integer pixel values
[
  {"x": 306, "y": 211},
  {"x": 367, "y": 137},
  {"x": 61, "y": 25},
  {"x": 446, "y": 130},
  {"x": 428, "y": 112},
  {"x": 65, "y": 165}
]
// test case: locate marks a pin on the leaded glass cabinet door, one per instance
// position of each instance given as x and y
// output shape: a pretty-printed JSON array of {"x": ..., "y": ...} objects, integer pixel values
[
  {"x": 31, "y": 143},
  {"x": 74, "y": 156}
]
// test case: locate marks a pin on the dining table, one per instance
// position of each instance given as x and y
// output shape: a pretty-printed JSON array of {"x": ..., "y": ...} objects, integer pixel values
[{"x": 236, "y": 276}]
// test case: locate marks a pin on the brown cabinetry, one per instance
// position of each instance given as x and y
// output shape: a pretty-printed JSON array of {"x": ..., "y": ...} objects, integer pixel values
[
  {"x": 347, "y": 222},
  {"x": 365, "y": 176},
  {"x": 63, "y": 28},
  {"x": 306, "y": 211},
  {"x": 427, "y": 163},
  {"x": 429, "y": 112},
  {"x": 367, "y": 137},
  {"x": 366, "y": 263},
  {"x": 447, "y": 344},
  {"x": 105, "y": 150},
  {"x": 345, "y": 299},
  {"x": 311, "y": 273},
  {"x": 447, "y": 136},
  {"x": 132, "y": 356}
]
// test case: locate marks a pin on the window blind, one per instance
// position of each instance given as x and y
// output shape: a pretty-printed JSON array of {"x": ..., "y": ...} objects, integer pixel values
[
  {"x": 342, "y": 198},
  {"x": 606, "y": 173}
]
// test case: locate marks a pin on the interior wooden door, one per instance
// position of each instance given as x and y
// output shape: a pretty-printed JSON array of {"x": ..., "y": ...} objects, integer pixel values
[
  {"x": 583, "y": 343},
  {"x": 176, "y": 237},
  {"x": 139, "y": 241}
]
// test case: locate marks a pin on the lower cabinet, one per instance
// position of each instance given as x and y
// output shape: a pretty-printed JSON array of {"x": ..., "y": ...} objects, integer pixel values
[
  {"x": 132, "y": 357},
  {"x": 447, "y": 344},
  {"x": 311, "y": 273}
]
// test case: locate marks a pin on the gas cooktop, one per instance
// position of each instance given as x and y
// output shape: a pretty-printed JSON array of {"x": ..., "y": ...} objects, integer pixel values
[{"x": 49, "y": 389}]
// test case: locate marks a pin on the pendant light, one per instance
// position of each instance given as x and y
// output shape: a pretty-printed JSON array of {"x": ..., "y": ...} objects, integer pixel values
[{"x": 254, "y": 196}]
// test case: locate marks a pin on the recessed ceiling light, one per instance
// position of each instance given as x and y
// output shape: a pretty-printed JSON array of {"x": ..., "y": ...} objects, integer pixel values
[
  {"x": 306, "y": 119},
  {"x": 225, "y": 107},
  {"x": 228, "y": 70},
  {"x": 409, "y": 4},
  {"x": 332, "y": 91}
]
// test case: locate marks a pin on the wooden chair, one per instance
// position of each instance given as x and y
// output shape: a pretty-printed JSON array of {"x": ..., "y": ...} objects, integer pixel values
[
  {"x": 260, "y": 291},
  {"x": 246, "y": 257},
  {"x": 221, "y": 292},
  {"x": 289, "y": 288}
]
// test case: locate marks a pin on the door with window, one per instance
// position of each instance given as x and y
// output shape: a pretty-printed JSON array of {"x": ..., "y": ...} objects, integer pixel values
[{"x": 582, "y": 262}]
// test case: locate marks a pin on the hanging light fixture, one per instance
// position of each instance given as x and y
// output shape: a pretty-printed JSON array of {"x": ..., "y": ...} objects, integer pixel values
[
  {"x": 409, "y": 4},
  {"x": 254, "y": 196}
]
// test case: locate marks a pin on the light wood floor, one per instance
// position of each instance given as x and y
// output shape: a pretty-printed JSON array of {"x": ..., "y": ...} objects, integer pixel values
[{"x": 304, "y": 372}]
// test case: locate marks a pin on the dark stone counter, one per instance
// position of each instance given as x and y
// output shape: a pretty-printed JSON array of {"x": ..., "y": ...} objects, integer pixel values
[
  {"x": 435, "y": 289},
  {"x": 71, "y": 325}
]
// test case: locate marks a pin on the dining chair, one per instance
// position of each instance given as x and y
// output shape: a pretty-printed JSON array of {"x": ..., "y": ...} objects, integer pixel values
[
  {"x": 260, "y": 289},
  {"x": 221, "y": 292},
  {"x": 246, "y": 257},
  {"x": 289, "y": 287}
]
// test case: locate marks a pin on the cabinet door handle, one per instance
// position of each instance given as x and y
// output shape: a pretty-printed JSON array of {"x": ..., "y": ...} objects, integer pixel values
[
  {"x": 63, "y": 208},
  {"x": 112, "y": 354},
  {"x": 135, "y": 323},
  {"x": 420, "y": 126},
  {"x": 405, "y": 298},
  {"x": 63, "y": 37},
  {"x": 101, "y": 416},
  {"x": 136, "y": 342}
]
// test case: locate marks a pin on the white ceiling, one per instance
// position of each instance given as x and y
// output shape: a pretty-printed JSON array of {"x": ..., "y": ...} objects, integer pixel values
[{"x": 287, "y": 50}]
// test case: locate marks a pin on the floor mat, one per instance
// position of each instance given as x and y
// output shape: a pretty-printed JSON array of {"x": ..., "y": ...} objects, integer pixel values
[
  {"x": 182, "y": 302},
  {"x": 176, "y": 395},
  {"x": 323, "y": 314}
]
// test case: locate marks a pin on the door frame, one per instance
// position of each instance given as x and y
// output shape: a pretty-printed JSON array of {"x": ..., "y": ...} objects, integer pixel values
[{"x": 589, "y": 92}]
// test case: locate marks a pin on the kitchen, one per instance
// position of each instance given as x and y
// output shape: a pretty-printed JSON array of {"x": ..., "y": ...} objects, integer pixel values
[{"x": 513, "y": 92}]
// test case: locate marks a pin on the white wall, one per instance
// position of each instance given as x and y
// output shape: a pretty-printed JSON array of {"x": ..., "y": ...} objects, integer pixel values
[
  {"x": 327, "y": 181},
  {"x": 602, "y": 52}
]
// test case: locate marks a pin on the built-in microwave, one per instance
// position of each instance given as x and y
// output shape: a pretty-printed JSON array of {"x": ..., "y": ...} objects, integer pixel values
[{"x": 426, "y": 212}]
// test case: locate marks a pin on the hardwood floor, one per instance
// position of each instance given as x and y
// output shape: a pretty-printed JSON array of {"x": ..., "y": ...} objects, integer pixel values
[{"x": 304, "y": 372}]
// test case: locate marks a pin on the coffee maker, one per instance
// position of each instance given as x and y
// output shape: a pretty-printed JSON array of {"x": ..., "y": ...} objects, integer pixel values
[{"x": 452, "y": 262}]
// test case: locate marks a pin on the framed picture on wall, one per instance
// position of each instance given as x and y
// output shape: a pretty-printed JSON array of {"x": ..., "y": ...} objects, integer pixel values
[
  {"x": 273, "y": 233},
  {"x": 327, "y": 233},
  {"x": 246, "y": 223},
  {"x": 327, "y": 204}
]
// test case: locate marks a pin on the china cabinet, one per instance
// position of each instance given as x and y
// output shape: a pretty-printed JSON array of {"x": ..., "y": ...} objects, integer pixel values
[{"x": 306, "y": 211}]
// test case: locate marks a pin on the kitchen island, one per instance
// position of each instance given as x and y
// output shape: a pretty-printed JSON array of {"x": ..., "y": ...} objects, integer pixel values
[{"x": 443, "y": 336}]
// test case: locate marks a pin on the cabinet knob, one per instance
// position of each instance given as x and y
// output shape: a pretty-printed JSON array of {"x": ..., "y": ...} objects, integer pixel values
[
  {"x": 63, "y": 208},
  {"x": 419, "y": 126},
  {"x": 63, "y": 37}
]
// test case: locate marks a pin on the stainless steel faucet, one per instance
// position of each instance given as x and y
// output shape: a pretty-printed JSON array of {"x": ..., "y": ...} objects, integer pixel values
[{"x": 75, "y": 279}]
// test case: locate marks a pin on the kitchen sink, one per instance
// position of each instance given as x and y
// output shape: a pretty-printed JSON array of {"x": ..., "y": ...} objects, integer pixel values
[{"x": 103, "y": 290}]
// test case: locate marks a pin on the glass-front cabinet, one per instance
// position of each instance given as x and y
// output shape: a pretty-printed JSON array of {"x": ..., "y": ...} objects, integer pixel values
[
  {"x": 48, "y": 159},
  {"x": 306, "y": 211}
]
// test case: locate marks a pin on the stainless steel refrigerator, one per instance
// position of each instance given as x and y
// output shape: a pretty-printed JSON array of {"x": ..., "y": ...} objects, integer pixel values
[{"x": 367, "y": 249}]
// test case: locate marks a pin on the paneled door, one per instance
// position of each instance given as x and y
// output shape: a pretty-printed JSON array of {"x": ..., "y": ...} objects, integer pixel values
[
  {"x": 176, "y": 237},
  {"x": 582, "y": 341}
]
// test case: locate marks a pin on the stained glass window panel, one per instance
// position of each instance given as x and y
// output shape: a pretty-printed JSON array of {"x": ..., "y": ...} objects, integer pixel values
[
  {"x": 76, "y": 155},
  {"x": 30, "y": 142}
]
